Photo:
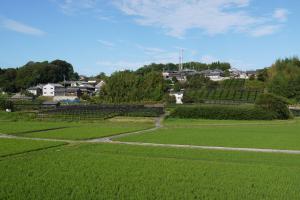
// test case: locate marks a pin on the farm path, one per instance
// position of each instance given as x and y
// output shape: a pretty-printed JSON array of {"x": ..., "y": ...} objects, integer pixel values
[{"x": 158, "y": 125}]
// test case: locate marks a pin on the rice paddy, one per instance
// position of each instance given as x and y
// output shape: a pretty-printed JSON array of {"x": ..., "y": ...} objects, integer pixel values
[{"x": 31, "y": 169}]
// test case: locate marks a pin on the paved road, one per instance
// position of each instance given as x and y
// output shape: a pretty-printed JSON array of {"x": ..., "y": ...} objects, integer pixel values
[{"x": 158, "y": 124}]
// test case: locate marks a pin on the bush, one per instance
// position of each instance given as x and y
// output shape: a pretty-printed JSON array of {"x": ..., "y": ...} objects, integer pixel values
[
  {"x": 275, "y": 104},
  {"x": 170, "y": 99},
  {"x": 222, "y": 112},
  {"x": 6, "y": 104}
]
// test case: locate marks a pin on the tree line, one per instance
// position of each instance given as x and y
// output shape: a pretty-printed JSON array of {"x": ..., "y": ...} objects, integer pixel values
[
  {"x": 33, "y": 73},
  {"x": 198, "y": 66},
  {"x": 283, "y": 78}
]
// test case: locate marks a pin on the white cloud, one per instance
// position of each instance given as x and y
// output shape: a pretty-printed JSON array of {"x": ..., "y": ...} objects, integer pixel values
[
  {"x": 281, "y": 14},
  {"x": 265, "y": 30},
  {"x": 176, "y": 17},
  {"x": 106, "y": 43},
  {"x": 20, "y": 27},
  {"x": 72, "y": 6}
]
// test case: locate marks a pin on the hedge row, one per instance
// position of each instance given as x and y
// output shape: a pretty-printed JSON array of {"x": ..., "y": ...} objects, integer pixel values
[{"x": 222, "y": 112}]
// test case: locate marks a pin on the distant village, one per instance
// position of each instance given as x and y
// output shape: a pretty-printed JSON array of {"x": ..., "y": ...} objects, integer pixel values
[
  {"x": 214, "y": 75},
  {"x": 72, "y": 91}
]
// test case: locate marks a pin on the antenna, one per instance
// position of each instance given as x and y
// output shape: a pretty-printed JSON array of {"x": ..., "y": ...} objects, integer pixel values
[{"x": 181, "y": 60}]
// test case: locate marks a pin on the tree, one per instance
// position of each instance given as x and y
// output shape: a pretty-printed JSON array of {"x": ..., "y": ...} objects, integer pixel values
[
  {"x": 284, "y": 78},
  {"x": 197, "y": 81},
  {"x": 274, "y": 103},
  {"x": 33, "y": 73},
  {"x": 101, "y": 77}
]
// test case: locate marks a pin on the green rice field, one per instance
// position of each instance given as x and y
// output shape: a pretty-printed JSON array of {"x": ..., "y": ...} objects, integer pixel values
[
  {"x": 17, "y": 146},
  {"x": 74, "y": 130},
  {"x": 251, "y": 134},
  {"x": 106, "y": 171},
  {"x": 33, "y": 169}
]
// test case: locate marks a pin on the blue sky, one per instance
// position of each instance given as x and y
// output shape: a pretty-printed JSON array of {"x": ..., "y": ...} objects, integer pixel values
[{"x": 105, "y": 36}]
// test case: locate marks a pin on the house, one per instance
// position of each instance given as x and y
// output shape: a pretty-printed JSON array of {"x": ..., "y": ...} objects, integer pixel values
[
  {"x": 20, "y": 97},
  {"x": 235, "y": 73},
  {"x": 53, "y": 89},
  {"x": 36, "y": 90},
  {"x": 92, "y": 82},
  {"x": 214, "y": 75},
  {"x": 99, "y": 86},
  {"x": 87, "y": 89}
]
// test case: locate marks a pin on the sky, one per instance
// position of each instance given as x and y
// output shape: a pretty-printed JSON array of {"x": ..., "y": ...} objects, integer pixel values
[{"x": 111, "y": 35}]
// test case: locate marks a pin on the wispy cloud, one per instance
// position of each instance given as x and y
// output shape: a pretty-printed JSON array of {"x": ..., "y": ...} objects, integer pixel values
[
  {"x": 265, "y": 30},
  {"x": 20, "y": 27},
  {"x": 213, "y": 17},
  {"x": 281, "y": 14},
  {"x": 70, "y": 7},
  {"x": 106, "y": 43}
]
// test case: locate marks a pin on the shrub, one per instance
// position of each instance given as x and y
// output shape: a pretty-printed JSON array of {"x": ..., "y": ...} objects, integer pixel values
[
  {"x": 6, "y": 104},
  {"x": 222, "y": 112},
  {"x": 170, "y": 99},
  {"x": 275, "y": 104}
]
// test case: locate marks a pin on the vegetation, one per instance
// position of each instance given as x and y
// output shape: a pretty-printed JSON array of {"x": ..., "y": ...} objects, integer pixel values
[
  {"x": 9, "y": 147},
  {"x": 75, "y": 131},
  {"x": 23, "y": 127},
  {"x": 189, "y": 65},
  {"x": 223, "y": 112},
  {"x": 93, "y": 130},
  {"x": 226, "y": 133},
  {"x": 33, "y": 73},
  {"x": 133, "y": 87},
  {"x": 107, "y": 171},
  {"x": 202, "y": 89},
  {"x": 6, "y": 104},
  {"x": 283, "y": 78},
  {"x": 275, "y": 104}
]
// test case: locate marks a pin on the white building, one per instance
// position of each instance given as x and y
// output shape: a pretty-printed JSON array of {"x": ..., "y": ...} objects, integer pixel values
[
  {"x": 51, "y": 89},
  {"x": 99, "y": 86},
  {"x": 235, "y": 73},
  {"x": 36, "y": 90}
]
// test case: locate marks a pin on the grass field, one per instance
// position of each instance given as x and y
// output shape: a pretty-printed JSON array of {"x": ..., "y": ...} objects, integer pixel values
[
  {"x": 13, "y": 146},
  {"x": 75, "y": 130},
  {"x": 105, "y": 171},
  {"x": 252, "y": 134}
]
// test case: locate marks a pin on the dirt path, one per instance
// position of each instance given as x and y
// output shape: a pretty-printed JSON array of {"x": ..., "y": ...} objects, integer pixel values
[
  {"x": 209, "y": 147},
  {"x": 158, "y": 125}
]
